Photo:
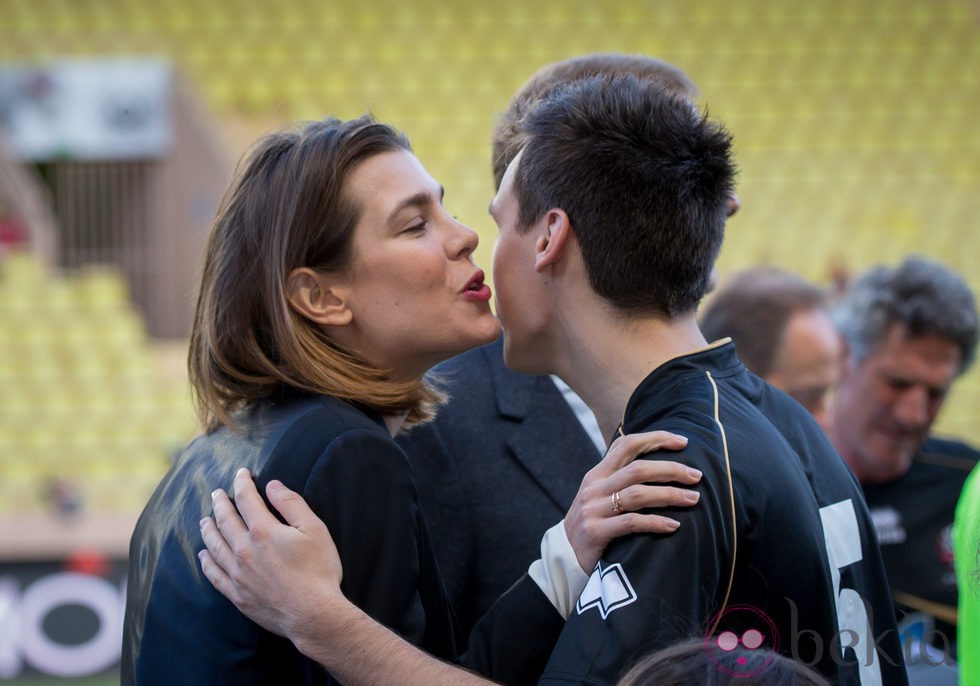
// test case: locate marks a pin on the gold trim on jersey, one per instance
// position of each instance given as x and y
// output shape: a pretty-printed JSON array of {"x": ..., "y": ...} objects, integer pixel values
[
  {"x": 731, "y": 494},
  {"x": 728, "y": 471}
]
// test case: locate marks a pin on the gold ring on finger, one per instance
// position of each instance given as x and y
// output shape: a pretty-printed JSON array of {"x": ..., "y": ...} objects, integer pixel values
[{"x": 616, "y": 503}]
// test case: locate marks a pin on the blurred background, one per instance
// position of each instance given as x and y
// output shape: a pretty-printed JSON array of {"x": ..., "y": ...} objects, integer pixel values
[{"x": 857, "y": 129}]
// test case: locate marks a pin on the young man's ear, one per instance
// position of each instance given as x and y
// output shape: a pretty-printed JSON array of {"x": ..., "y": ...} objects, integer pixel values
[
  {"x": 319, "y": 297},
  {"x": 551, "y": 244}
]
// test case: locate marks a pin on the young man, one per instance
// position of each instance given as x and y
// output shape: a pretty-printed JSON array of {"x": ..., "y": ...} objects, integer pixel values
[
  {"x": 909, "y": 331},
  {"x": 503, "y": 458},
  {"x": 610, "y": 221}
]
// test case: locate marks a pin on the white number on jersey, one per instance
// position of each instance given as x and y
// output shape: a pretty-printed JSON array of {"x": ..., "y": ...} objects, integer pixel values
[{"x": 843, "y": 541}]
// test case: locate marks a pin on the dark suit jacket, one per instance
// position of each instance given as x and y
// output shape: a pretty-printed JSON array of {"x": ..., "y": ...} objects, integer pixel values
[{"x": 499, "y": 466}]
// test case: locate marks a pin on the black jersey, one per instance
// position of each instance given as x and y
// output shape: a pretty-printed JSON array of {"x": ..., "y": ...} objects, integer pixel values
[
  {"x": 779, "y": 554},
  {"x": 914, "y": 518},
  {"x": 179, "y": 630}
]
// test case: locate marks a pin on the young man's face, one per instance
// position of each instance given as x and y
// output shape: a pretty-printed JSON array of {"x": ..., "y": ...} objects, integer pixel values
[
  {"x": 518, "y": 298},
  {"x": 886, "y": 403}
]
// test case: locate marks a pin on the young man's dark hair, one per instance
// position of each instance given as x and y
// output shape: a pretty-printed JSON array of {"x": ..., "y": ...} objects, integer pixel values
[
  {"x": 651, "y": 225},
  {"x": 508, "y": 138}
]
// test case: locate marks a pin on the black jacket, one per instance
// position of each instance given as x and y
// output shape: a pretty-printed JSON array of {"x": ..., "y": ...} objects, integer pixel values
[{"x": 499, "y": 465}]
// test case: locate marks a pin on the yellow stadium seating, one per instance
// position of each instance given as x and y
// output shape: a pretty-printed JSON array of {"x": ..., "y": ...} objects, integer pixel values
[
  {"x": 83, "y": 399},
  {"x": 855, "y": 123}
]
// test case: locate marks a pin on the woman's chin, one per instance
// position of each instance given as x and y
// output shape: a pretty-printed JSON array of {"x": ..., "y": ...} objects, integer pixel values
[
  {"x": 491, "y": 331},
  {"x": 488, "y": 331}
]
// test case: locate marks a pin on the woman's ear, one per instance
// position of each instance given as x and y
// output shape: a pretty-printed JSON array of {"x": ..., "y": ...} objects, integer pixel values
[
  {"x": 319, "y": 297},
  {"x": 550, "y": 245}
]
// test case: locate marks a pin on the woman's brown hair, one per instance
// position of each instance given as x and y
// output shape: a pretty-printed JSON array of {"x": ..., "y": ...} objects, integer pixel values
[{"x": 287, "y": 209}]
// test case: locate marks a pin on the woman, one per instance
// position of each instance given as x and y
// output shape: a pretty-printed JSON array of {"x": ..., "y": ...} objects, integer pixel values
[{"x": 334, "y": 278}]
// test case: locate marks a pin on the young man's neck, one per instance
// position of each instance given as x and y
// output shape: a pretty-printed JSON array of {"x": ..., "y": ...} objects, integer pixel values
[{"x": 605, "y": 356}]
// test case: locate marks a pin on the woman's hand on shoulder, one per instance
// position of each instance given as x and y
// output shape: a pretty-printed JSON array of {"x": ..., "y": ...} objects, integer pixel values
[{"x": 613, "y": 492}]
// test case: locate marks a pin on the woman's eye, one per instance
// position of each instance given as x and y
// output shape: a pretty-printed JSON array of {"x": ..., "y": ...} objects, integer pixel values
[{"x": 417, "y": 228}]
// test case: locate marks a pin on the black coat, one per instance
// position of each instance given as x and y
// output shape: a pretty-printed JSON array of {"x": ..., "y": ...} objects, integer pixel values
[{"x": 497, "y": 468}]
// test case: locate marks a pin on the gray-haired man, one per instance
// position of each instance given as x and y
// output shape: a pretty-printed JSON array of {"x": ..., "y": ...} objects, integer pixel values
[{"x": 909, "y": 331}]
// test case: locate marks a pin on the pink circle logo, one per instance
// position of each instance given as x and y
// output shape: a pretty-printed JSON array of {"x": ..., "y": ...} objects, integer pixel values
[{"x": 741, "y": 627}]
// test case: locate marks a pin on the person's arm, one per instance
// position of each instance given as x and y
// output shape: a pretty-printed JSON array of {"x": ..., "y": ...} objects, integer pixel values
[
  {"x": 323, "y": 624},
  {"x": 278, "y": 574},
  {"x": 513, "y": 640}
]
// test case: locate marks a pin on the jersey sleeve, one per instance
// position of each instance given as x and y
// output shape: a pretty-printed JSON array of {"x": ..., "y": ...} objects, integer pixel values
[
  {"x": 648, "y": 591},
  {"x": 511, "y": 643}
]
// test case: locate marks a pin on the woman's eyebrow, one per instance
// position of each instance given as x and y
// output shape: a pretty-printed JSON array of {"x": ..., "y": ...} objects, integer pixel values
[{"x": 420, "y": 199}]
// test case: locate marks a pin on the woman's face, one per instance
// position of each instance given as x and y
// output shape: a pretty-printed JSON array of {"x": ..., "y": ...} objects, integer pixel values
[{"x": 414, "y": 292}]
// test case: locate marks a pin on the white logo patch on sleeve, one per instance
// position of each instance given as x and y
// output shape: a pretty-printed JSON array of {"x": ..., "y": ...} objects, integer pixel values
[{"x": 607, "y": 590}]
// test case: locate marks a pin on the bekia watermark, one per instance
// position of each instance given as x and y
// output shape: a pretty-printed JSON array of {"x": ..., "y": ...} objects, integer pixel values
[
  {"x": 756, "y": 638},
  {"x": 755, "y": 632}
]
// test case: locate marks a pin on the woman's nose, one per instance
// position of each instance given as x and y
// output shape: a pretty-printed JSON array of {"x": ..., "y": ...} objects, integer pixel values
[{"x": 463, "y": 240}]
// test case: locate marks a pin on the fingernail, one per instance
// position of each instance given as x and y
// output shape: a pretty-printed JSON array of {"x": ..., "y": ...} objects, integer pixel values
[
  {"x": 672, "y": 524},
  {"x": 202, "y": 522},
  {"x": 692, "y": 496},
  {"x": 694, "y": 473},
  {"x": 275, "y": 485},
  {"x": 214, "y": 493}
]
